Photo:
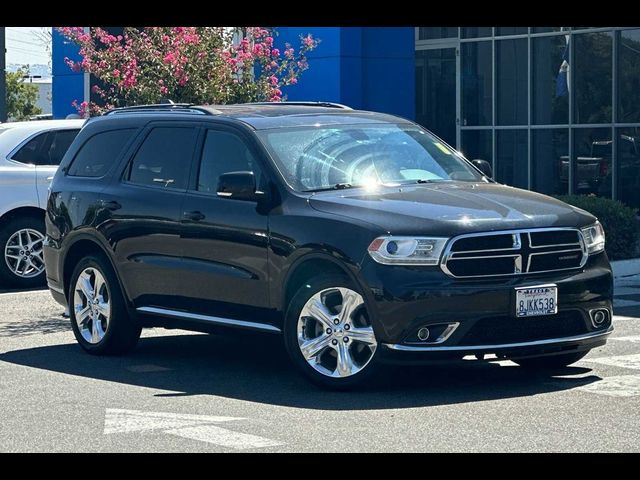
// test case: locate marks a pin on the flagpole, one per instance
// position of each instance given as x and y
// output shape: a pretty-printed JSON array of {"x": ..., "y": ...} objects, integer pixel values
[{"x": 3, "y": 77}]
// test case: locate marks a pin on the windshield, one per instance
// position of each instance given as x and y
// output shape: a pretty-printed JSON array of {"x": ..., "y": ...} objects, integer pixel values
[{"x": 340, "y": 156}]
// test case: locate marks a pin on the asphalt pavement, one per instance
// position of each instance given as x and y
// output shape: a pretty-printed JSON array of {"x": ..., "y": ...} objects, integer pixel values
[{"x": 187, "y": 392}]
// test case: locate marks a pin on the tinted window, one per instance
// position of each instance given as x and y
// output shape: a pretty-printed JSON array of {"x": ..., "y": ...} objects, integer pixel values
[
  {"x": 629, "y": 76},
  {"x": 32, "y": 152},
  {"x": 511, "y": 78},
  {"x": 164, "y": 158},
  {"x": 592, "y": 77},
  {"x": 99, "y": 153},
  {"x": 511, "y": 157},
  {"x": 549, "y": 80},
  {"x": 476, "y": 83},
  {"x": 58, "y": 144},
  {"x": 224, "y": 152}
]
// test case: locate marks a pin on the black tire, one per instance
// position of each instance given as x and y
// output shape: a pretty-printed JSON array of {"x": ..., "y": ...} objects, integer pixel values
[
  {"x": 7, "y": 230},
  {"x": 550, "y": 362},
  {"x": 122, "y": 332},
  {"x": 304, "y": 293}
]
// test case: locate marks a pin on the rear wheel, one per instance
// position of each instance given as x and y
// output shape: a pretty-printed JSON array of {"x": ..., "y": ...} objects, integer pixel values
[
  {"x": 328, "y": 333},
  {"x": 98, "y": 313},
  {"x": 21, "y": 241},
  {"x": 550, "y": 362}
]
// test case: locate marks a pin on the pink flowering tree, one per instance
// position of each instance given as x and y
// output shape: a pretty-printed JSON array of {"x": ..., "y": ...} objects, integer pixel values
[{"x": 199, "y": 65}]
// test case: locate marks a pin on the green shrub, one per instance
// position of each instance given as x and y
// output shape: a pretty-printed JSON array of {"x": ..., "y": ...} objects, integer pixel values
[{"x": 620, "y": 223}]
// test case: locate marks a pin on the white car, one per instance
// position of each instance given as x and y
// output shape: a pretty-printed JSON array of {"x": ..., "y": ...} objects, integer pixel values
[{"x": 30, "y": 153}]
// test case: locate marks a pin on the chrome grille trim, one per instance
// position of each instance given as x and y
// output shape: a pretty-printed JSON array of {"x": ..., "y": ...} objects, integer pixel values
[{"x": 459, "y": 255}]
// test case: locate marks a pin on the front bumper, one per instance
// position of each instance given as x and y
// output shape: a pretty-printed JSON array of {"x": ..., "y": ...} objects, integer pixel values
[{"x": 402, "y": 300}]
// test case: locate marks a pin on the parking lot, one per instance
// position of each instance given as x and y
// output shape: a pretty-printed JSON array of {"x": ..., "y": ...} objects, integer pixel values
[{"x": 181, "y": 391}]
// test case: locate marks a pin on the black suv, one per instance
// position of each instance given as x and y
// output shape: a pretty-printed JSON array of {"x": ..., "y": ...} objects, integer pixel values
[{"x": 358, "y": 236}]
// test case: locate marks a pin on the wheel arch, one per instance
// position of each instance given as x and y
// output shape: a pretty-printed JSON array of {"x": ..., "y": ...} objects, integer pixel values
[
  {"x": 80, "y": 248},
  {"x": 27, "y": 211},
  {"x": 312, "y": 265}
]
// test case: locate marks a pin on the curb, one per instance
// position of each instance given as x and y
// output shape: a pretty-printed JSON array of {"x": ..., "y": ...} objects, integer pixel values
[{"x": 626, "y": 268}]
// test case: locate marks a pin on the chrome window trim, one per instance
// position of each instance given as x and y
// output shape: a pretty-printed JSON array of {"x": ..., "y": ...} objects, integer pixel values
[
  {"x": 164, "y": 312},
  {"x": 448, "y": 255},
  {"x": 461, "y": 348}
]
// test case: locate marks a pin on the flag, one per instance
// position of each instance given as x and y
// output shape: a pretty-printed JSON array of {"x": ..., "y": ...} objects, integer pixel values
[{"x": 562, "y": 80}]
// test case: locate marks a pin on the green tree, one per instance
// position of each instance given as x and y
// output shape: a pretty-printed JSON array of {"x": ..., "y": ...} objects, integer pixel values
[{"x": 21, "y": 96}]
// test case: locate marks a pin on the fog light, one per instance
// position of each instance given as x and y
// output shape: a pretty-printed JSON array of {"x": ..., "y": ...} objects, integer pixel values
[
  {"x": 599, "y": 317},
  {"x": 423, "y": 334}
]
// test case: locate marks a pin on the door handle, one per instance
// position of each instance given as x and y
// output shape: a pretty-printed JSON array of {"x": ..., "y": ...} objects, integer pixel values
[
  {"x": 195, "y": 216},
  {"x": 50, "y": 179},
  {"x": 110, "y": 204}
]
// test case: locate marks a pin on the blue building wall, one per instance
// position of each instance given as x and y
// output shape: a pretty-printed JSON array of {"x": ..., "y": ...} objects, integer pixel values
[
  {"x": 67, "y": 85},
  {"x": 371, "y": 68}
]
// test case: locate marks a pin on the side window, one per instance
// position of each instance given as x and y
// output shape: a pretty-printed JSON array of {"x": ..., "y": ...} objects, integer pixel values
[
  {"x": 60, "y": 142},
  {"x": 224, "y": 152},
  {"x": 164, "y": 158},
  {"x": 33, "y": 152},
  {"x": 99, "y": 153}
]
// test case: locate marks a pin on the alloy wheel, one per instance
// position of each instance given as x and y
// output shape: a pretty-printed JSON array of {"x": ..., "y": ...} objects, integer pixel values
[
  {"x": 334, "y": 333},
  {"x": 92, "y": 305},
  {"x": 23, "y": 253}
]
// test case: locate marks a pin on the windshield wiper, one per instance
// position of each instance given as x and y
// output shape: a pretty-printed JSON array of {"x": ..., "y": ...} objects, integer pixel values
[{"x": 337, "y": 186}]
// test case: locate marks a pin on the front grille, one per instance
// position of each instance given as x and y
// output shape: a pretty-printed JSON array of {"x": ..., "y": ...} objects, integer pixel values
[
  {"x": 514, "y": 252},
  {"x": 505, "y": 329}
]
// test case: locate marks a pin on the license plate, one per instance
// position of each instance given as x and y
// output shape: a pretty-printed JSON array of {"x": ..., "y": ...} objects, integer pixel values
[{"x": 539, "y": 300}]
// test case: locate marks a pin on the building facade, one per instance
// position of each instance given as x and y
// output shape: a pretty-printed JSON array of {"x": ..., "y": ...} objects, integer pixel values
[{"x": 554, "y": 109}]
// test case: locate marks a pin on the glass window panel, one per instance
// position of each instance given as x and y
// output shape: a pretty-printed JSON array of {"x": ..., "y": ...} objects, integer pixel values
[
  {"x": 547, "y": 29},
  {"x": 550, "y": 161},
  {"x": 591, "y": 74},
  {"x": 628, "y": 177},
  {"x": 476, "y": 83},
  {"x": 99, "y": 153},
  {"x": 550, "y": 95},
  {"x": 430, "y": 33},
  {"x": 629, "y": 76},
  {"x": 436, "y": 92},
  {"x": 511, "y": 82},
  {"x": 511, "y": 30},
  {"x": 477, "y": 144},
  {"x": 511, "y": 158},
  {"x": 592, "y": 161},
  {"x": 475, "y": 32},
  {"x": 163, "y": 158}
]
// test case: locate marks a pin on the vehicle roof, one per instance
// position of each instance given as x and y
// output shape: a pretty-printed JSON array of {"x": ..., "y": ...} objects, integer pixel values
[
  {"x": 36, "y": 125},
  {"x": 263, "y": 116}
]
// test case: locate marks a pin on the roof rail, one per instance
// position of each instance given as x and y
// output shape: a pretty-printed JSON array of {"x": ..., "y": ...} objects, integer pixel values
[
  {"x": 161, "y": 107},
  {"x": 303, "y": 104}
]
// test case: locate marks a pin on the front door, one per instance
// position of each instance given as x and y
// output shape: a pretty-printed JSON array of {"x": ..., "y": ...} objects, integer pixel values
[{"x": 225, "y": 240}]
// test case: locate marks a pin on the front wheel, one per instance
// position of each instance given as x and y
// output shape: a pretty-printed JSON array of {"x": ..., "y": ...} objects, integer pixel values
[
  {"x": 328, "y": 333},
  {"x": 550, "y": 362}
]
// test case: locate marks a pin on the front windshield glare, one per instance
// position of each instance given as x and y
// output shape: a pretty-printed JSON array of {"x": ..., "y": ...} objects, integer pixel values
[{"x": 316, "y": 158}]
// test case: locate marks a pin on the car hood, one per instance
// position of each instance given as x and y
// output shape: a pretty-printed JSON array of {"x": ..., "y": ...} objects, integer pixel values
[{"x": 450, "y": 208}]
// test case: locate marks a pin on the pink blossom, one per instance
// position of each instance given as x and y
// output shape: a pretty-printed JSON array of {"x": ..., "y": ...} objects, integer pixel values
[
  {"x": 289, "y": 52},
  {"x": 268, "y": 41},
  {"x": 164, "y": 90},
  {"x": 293, "y": 80},
  {"x": 273, "y": 79},
  {"x": 115, "y": 72},
  {"x": 308, "y": 41},
  {"x": 169, "y": 58},
  {"x": 275, "y": 52}
]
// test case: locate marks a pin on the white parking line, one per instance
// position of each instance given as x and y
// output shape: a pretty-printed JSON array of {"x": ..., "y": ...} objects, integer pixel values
[
  {"x": 624, "y": 361},
  {"x": 195, "y": 427},
  {"x": 24, "y": 292},
  {"x": 630, "y": 338},
  {"x": 618, "y": 386}
]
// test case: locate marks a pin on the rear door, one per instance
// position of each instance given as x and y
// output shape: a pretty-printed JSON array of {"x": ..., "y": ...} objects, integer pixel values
[
  {"x": 146, "y": 210},
  {"x": 56, "y": 145}
]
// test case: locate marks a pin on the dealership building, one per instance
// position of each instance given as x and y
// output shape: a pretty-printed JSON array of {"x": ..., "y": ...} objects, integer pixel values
[{"x": 553, "y": 109}]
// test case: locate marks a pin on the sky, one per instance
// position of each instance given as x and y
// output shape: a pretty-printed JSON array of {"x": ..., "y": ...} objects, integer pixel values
[{"x": 25, "y": 46}]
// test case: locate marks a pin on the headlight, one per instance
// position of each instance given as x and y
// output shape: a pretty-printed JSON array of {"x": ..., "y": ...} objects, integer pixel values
[
  {"x": 594, "y": 238},
  {"x": 407, "y": 250}
]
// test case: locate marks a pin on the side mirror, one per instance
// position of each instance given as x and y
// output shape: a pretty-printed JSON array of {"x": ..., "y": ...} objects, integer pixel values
[
  {"x": 238, "y": 185},
  {"x": 483, "y": 166}
]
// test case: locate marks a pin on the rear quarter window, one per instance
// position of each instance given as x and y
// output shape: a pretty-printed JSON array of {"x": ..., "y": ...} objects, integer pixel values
[{"x": 99, "y": 153}]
